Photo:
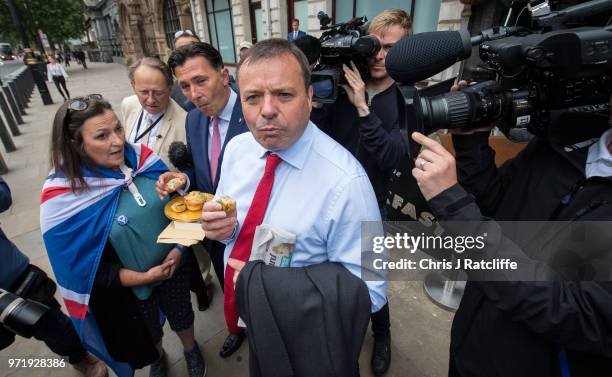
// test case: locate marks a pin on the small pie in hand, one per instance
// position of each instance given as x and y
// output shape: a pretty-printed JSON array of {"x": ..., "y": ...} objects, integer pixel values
[
  {"x": 227, "y": 203},
  {"x": 174, "y": 184}
]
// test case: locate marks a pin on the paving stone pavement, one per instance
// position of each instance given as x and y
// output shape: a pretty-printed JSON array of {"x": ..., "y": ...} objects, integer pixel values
[{"x": 420, "y": 330}]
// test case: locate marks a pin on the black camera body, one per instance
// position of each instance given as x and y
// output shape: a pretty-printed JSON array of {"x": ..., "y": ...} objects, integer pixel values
[
  {"x": 341, "y": 44},
  {"x": 532, "y": 72}
]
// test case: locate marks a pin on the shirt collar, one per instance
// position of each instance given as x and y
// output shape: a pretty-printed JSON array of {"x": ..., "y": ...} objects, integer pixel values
[
  {"x": 295, "y": 155},
  {"x": 226, "y": 114},
  {"x": 599, "y": 160},
  {"x": 154, "y": 117}
]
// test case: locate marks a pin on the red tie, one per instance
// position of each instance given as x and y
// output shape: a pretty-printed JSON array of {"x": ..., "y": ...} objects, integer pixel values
[
  {"x": 215, "y": 149},
  {"x": 242, "y": 247}
]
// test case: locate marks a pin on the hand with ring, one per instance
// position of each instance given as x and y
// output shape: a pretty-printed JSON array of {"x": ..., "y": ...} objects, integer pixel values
[{"x": 435, "y": 169}]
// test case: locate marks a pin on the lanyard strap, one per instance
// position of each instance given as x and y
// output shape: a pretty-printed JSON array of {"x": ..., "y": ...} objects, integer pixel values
[
  {"x": 129, "y": 182},
  {"x": 138, "y": 137}
]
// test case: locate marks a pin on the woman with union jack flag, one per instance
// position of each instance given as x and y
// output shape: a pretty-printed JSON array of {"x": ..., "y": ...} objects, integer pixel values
[{"x": 100, "y": 217}]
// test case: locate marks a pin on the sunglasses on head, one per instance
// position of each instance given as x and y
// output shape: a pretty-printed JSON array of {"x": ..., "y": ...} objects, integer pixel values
[
  {"x": 82, "y": 103},
  {"x": 181, "y": 33}
]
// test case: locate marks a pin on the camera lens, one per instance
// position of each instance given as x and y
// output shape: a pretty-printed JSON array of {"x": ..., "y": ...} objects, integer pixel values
[
  {"x": 20, "y": 315},
  {"x": 447, "y": 111}
]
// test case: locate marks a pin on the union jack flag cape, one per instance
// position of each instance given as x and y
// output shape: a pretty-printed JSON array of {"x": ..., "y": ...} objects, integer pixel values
[{"x": 75, "y": 228}]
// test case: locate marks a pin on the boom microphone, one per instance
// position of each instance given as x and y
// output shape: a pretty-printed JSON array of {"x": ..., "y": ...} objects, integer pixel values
[
  {"x": 179, "y": 155},
  {"x": 420, "y": 56}
]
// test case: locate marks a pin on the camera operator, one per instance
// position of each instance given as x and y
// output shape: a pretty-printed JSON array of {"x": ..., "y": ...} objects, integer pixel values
[
  {"x": 365, "y": 119},
  {"x": 54, "y": 328},
  {"x": 525, "y": 328}
]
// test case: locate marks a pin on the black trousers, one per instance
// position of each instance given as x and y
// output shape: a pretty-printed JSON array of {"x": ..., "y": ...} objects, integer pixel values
[
  {"x": 381, "y": 323},
  {"x": 197, "y": 284},
  {"x": 173, "y": 298},
  {"x": 215, "y": 250},
  {"x": 60, "y": 80}
]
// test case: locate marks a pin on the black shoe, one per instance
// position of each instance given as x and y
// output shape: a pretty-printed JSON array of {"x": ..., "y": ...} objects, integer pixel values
[
  {"x": 204, "y": 299},
  {"x": 231, "y": 344},
  {"x": 160, "y": 367},
  {"x": 196, "y": 366},
  {"x": 381, "y": 355}
]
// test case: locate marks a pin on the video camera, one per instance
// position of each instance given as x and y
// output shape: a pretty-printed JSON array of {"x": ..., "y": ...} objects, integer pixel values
[
  {"x": 341, "y": 44},
  {"x": 556, "y": 62}
]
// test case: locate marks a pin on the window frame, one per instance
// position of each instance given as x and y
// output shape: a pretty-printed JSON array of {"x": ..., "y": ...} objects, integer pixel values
[
  {"x": 173, "y": 22},
  {"x": 214, "y": 13}
]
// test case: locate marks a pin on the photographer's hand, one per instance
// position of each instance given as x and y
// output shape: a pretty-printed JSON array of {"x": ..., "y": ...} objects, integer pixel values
[
  {"x": 435, "y": 169},
  {"x": 356, "y": 89}
]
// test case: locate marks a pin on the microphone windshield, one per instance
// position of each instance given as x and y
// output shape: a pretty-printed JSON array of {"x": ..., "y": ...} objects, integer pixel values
[
  {"x": 179, "y": 155},
  {"x": 420, "y": 56}
]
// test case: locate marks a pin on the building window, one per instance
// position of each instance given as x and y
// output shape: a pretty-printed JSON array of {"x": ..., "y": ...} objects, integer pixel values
[
  {"x": 257, "y": 25},
  {"x": 221, "y": 28},
  {"x": 172, "y": 24},
  {"x": 345, "y": 10}
]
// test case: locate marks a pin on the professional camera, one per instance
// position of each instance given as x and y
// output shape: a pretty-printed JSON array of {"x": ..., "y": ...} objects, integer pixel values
[
  {"x": 556, "y": 62},
  {"x": 20, "y": 315},
  {"x": 341, "y": 44}
]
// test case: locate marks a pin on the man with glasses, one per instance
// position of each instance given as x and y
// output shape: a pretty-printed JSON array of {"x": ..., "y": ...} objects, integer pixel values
[
  {"x": 150, "y": 116},
  {"x": 182, "y": 38}
]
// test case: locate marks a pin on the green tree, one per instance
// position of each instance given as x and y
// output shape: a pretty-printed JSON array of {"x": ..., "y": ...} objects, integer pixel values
[{"x": 59, "y": 19}]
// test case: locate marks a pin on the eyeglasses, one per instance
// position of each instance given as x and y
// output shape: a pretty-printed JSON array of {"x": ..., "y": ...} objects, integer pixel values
[
  {"x": 156, "y": 94},
  {"x": 180, "y": 33},
  {"x": 82, "y": 103}
]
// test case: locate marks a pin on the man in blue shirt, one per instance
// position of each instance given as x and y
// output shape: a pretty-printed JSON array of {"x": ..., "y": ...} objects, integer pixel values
[
  {"x": 54, "y": 327},
  {"x": 295, "y": 32},
  {"x": 320, "y": 192}
]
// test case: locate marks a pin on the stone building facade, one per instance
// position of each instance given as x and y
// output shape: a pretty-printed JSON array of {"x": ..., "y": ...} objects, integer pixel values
[
  {"x": 103, "y": 26},
  {"x": 147, "y": 24}
]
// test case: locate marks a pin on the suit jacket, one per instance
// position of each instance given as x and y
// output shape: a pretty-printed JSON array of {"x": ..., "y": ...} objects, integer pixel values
[
  {"x": 299, "y": 35},
  {"x": 197, "y": 143},
  {"x": 307, "y": 321},
  {"x": 171, "y": 128}
]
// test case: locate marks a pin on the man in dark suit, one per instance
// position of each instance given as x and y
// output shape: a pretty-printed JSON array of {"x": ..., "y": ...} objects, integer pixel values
[
  {"x": 217, "y": 118},
  {"x": 295, "y": 32}
]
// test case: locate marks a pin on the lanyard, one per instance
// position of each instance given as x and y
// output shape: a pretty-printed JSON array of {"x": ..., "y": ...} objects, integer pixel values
[
  {"x": 138, "y": 137},
  {"x": 129, "y": 182}
]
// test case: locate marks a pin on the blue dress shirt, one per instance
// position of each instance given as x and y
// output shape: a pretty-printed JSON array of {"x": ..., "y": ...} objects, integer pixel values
[
  {"x": 321, "y": 193},
  {"x": 599, "y": 160}
]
